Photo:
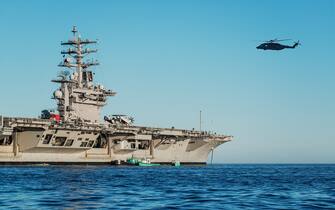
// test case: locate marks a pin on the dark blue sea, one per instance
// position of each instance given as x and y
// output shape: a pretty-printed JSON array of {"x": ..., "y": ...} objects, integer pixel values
[{"x": 186, "y": 187}]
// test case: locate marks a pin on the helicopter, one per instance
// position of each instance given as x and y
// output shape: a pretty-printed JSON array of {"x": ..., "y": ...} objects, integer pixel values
[{"x": 274, "y": 44}]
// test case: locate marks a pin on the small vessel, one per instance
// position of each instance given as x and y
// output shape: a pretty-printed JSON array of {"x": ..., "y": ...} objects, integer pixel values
[
  {"x": 141, "y": 162},
  {"x": 148, "y": 164},
  {"x": 176, "y": 163},
  {"x": 76, "y": 133}
]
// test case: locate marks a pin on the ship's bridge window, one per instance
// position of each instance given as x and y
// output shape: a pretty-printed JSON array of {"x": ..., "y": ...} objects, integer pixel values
[
  {"x": 87, "y": 76},
  {"x": 47, "y": 139},
  {"x": 59, "y": 141},
  {"x": 69, "y": 142}
]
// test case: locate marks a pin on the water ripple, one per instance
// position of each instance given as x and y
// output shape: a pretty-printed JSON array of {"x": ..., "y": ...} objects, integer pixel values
[{"x": 204, "y": 187}]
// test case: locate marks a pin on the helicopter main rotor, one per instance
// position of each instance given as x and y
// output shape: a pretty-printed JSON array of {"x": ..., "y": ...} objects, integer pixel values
[{"x": 276, "y": 40}]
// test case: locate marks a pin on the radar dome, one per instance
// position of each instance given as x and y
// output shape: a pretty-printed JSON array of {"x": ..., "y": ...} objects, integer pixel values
[{"x": 58, "y": 94}]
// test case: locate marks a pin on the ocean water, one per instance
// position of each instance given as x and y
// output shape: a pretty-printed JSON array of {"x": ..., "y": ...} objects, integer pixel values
[{"x": 186, "y": 187}]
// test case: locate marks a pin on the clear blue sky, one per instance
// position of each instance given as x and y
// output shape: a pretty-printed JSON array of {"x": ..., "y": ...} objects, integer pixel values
[{"x": 170, "y": 59}]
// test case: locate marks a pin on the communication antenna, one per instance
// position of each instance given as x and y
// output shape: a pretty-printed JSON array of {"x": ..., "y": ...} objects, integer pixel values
[{"x": 200, "y": 120}]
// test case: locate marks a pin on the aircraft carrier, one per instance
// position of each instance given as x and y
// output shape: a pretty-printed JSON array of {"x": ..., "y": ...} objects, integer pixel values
[{"x": 75, "y": 133}]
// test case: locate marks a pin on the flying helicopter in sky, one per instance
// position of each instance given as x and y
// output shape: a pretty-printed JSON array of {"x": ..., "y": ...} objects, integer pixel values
[{"x": 274, "y": 44}]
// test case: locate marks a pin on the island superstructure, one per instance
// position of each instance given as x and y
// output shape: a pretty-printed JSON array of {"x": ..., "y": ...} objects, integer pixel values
[{"x": 76, "y": 134}]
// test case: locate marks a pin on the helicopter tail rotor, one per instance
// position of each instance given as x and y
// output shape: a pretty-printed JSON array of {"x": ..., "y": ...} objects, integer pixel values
[{"x": 296, "y": 44}]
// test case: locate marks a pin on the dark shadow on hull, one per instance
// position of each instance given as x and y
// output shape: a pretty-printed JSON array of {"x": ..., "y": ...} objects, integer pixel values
[{"x": 92, "y": 163}]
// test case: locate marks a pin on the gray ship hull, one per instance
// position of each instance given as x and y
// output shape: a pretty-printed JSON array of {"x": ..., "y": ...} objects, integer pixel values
[{"x": 36, "y": 141}]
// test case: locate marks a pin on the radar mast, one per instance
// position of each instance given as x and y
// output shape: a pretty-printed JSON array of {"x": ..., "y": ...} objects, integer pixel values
[
  {"x": 79, "y": 99},
  {"x": 74, "y": 55}
]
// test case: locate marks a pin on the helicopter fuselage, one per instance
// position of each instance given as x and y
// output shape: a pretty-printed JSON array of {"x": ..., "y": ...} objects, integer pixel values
[{"x": 274, "y": 46}]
